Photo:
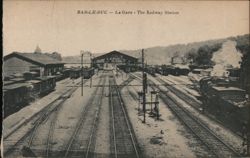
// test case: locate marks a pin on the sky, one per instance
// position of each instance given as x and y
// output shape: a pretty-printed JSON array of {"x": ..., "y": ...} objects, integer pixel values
[{"x": 56, "y": 26}]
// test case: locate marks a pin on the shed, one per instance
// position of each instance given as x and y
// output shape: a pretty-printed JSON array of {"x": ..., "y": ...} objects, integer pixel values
[
  {"x": 114, "y": 58},
  {"x": 17, "y": 62}
]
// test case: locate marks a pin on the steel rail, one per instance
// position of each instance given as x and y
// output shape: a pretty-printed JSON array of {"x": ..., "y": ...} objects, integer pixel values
[
  {"x": 95, "y": 123},
  {"x": 181, "y": 112},
  {"x": 79, "y": 124},
  {"x": 113, "y": 119},
  {"x": 42, "y": 115},
  {"x": 46, "y": 116},
  {"x": 196, "y": 105},
  {"x": 116, "y": 89},
  {"x": 51, "y": 132}
]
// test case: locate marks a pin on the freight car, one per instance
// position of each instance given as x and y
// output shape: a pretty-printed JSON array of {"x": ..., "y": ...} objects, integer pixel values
[
  {"x": 150, "y": 70},
  {"x": 16, "y": 96},
  {"x": 221, "y": 98},
  {"x": 175, "y": 70},
  {"x": 88, "y": 72},
  {"x": 18, "y": 92},
  {"x": 128, "y": 68},
  {"x": 66, "y": 72},
  {"x": 75, "y": 73},
  {"x": 47, "y": 84},
  {"x": 165, "y": 70},
  {"x": 180, "y": 70}
]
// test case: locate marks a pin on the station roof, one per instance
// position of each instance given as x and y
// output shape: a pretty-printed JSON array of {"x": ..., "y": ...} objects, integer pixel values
[
  {"x": 45, "y": 77},
  {"x": 33, "y": 81},
  {"x": 219, "y": 88},
  {"x": 115, "y": 52},
  {"x": 15, "y": 86},
  {"x": 35, "y": 58}
]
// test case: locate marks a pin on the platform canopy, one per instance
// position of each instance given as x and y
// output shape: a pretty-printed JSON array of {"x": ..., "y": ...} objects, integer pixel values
[{"x": 115, "y": 57}]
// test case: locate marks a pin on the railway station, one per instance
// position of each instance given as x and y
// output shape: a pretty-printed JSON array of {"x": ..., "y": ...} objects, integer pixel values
[
  {"x": 120, "y": 106},
  {"x": 113, "y": 59},
  {"x": 158, "y": 79}
]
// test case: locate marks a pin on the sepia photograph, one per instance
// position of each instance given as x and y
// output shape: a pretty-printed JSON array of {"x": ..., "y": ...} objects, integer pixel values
[{"x": 125, "y": 79}]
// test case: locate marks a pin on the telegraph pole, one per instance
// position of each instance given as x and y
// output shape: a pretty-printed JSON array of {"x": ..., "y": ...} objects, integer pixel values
[
  {"x": 143, "y": 88},
  {"x": 91, "y": 66},
  {"x": 248, "y": 133},
  {"x": 82, "y": 73}
]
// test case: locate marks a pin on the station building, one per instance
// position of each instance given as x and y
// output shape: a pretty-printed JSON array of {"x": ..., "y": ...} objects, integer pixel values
[
  {"x": 18, "y": 63},
  {"x": 112, "y": 59}
]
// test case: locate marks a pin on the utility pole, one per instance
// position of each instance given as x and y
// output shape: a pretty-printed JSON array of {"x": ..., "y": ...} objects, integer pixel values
[
  {"x": 91, "y": 66},
  {"x": 82, "y": 72},
  {"x": 143, "y": 88},
  {"x": 246, "y": 136},
  {"x": 248, "y": 132}
]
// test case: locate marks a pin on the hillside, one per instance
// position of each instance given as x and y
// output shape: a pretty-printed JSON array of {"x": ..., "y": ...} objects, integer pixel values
[{"x": 162, "y": 54}]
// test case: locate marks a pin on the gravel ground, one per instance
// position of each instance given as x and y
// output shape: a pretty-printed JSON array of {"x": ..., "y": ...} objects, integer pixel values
[
  {"x": 166, "y": 137},
  {"x": 103, "y": 137},
  {"x": 180, "y": 86},
  {"x": 161, "y": 138},
  {"x": 69, "y": 115},
  {"x": 12, "y": 121},
  {"x": 224, "y": 133}
]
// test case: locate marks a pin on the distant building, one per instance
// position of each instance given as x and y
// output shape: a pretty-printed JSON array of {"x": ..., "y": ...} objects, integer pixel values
[
  {"x": 114, "y": 58},
  {"x": 17, "y": 62},
  {"x": 38, "y": 49},
  {"x": 178, "y": 60}
]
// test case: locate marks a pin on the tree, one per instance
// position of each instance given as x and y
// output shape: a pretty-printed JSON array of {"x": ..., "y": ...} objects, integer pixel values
[
  {"x": 191, "y": 55},
  {"x": 57, "y": 56},
  {"x": 204, "y": 55}
]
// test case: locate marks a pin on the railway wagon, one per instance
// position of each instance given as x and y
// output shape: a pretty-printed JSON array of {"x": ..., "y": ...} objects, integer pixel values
[
  {"x": 18, "y": 92},
  {"x": 66, "y": 72},
  {"x": 15, "y": 96},
  {"x": 221, "y": 98},
  {"x": 88, "y": 72},
  {"x": 180, "y": 70},
  {"x": 128, "y": 68},
  {"x": 75, "y": 73},
  {"x": 151, "y": 71},
  {"x": 166, "y": 70},
  {"x": 47, "y": 84}
]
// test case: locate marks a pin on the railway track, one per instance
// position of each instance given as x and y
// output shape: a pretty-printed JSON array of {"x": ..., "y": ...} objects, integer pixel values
[
  {"x": 26, "y": 131},
  {"x": 181, "y": 95},
  {"x": 196, "y": 105},
  {"x": 123, "y": 142},
  {"x": 82, "y": 140},
  {"x": 215, "y": 144},
  {"x": 51, "y": 134}
]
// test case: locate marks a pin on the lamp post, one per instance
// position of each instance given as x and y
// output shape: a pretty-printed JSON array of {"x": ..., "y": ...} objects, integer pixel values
[{"x": 143, "y": 88}]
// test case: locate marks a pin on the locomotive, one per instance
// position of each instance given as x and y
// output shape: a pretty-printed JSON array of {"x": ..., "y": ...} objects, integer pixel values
[{"x": 219, "y": 96}]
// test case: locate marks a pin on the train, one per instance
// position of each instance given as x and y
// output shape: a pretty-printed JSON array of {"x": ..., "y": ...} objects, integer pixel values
[
  {"x": 128, "y": 68},
  {"x": 19, "y": 91},
  {"x": 222, "y": 98},
  {"x": 75, "y": 73},
  {"x": 165, "y": 70},
  {"x": 151, "y": 70},
  {"x": 175, "y": 70},
  {"x": 86, "y": 72}
]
